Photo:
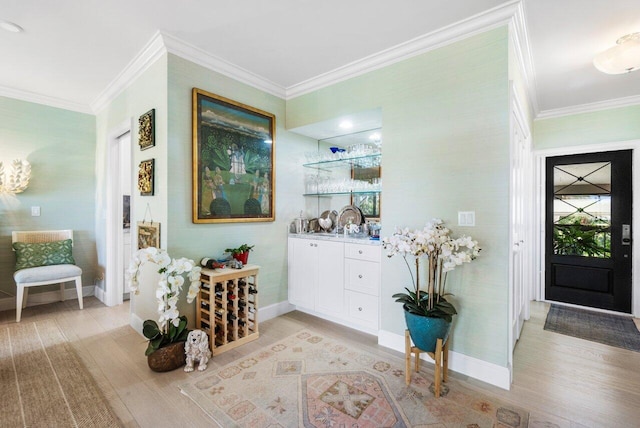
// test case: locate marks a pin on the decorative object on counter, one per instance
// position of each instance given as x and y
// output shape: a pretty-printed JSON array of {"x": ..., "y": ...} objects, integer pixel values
[
  {"x": 146, "y": 130},
  {"x": 350, "y": 214},
  {"x": 235, "y": 264},
  {"x": 301, "y": 224},
  {"x": 328, "y": 220},
  {"x": 170, "y": 331},
  {"x": 374, "y": 230},
  {"x": 233, "y": 161},
  {"x": 240, "y": 253},
  {"x": 196, "y": 348},
  {"x": 428, "y": 314},
  {"x": 17, "y": 180},
  {"x": 212, "y": 263}
]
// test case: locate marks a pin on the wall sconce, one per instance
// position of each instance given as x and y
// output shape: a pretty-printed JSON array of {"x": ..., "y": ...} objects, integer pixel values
[
  {"x": 18, "y": 180},
  {"x": 624, "y": 57}
]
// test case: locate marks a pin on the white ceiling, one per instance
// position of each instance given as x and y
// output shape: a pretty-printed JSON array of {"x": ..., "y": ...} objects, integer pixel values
[{"x": 72, "y": 50}]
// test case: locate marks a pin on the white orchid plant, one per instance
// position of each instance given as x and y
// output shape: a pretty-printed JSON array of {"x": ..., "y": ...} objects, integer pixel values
[
  {"x": 171, "y": 327},
  {"x": 443, "y": 253}
]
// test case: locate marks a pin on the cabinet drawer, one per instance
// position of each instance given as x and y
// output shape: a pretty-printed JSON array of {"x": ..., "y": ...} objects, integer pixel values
[
  {"x": 362, "y": 276},
  {"x": 362, "y": 252},
  {"x": 363, "y": 309}
]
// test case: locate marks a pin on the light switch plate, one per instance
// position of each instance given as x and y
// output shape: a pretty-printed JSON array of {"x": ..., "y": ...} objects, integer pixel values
[
  {"x": 35, "y": 211},
  {"x": 466, "y": 218}
]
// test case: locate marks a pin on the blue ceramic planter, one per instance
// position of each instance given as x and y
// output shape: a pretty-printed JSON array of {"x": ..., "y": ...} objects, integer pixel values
[{"x": 425, "y": 331}]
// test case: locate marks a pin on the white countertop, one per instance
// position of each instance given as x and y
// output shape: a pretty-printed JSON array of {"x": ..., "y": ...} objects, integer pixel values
[{"x": 335, "y": 237}]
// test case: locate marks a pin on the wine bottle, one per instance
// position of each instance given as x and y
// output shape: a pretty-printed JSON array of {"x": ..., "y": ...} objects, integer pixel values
[
  {"x": 253, "y": 290},
  {"x": 220, "y": 312},
  {"x": 231, "y": 316},
  {"x": 204, "y": 305},
  {"x": 231, "y": 296}
]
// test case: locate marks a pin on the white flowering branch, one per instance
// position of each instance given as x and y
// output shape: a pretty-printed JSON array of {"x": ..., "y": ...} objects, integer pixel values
[
  {"x": 171, "y": 281},
  {"x": 443, "y": 254}
]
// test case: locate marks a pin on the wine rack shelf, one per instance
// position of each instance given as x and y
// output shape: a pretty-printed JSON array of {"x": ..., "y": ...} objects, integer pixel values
[{"x": 227, "y": 307}]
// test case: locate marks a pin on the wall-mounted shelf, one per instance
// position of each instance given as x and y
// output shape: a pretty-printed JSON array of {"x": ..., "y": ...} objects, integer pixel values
[
  {"x": 364, "y": 161},
  {"x": 355, "y": 192}
]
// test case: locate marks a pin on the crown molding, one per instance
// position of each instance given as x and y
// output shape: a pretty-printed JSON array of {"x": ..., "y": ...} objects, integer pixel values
[
  {"x": 44, "y": 99},
  {"x": 149, "y": 54},
  {"x": 520, "y": 40},
  {"x": 198, "y": 56},
  {"x": 487, "y": 20},
  {"x": 589, "y": 108}
]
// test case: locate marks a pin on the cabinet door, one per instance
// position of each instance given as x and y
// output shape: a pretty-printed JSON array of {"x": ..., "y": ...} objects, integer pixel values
[
  {"x": 303, "y": 272},
  {"x": 330, "y": 290}
]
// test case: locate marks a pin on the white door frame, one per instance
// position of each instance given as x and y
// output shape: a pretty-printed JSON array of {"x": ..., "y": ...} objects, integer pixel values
[
  {"x": 541, "y": 156},
  {"x": 114, "y": 283},
  {"x": 520, "y": 246}
]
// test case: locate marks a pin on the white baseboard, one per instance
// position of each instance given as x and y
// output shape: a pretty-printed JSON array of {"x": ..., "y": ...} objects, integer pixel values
[
  {"x": 136, "y": 323},
  {"x": 99, "y": 293},
  {"x": 9, "y": 303},
  {"x": 464, "y": 364},
  {"x": 275, "y": 310}
]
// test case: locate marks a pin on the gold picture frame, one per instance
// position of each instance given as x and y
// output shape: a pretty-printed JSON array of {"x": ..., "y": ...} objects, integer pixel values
[
  {"x": 148, "y": 234},
  {"x": 146, "y": 130},
  {"x": 145, "y": 177},
  {"x": 233, "y": 161}
]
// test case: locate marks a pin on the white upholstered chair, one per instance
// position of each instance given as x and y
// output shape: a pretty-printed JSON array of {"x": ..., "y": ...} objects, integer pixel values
[{"x": 33, "y": 276}]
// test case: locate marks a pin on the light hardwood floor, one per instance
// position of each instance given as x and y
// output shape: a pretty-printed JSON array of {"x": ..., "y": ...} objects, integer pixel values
[{"x": 564, "y": 381}]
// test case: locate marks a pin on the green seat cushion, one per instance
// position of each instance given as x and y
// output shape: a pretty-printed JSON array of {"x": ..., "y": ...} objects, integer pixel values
[{"x": 30, "y": 255}]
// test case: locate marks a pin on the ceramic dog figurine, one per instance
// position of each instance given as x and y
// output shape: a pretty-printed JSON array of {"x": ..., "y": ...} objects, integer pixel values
[{"x": 197, "y": 349}]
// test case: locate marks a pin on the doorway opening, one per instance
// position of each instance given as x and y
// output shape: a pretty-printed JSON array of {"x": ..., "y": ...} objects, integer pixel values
[
  {"x": 118, "y": 216},
  {"x": 588, "y": 230},
  {"x": 542, "y": 231}
]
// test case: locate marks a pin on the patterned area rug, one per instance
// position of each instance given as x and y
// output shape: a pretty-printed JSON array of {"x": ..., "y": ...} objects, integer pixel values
[
  {"x": 609, "y": 329},
  {"x": 314, "y": 381},
  {"x": 44, "y": 382}
]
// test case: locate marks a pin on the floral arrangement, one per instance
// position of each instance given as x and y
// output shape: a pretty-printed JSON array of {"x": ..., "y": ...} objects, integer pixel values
[
  {"x": 174, "y": 326},
  {"x": 443, "y": 253}
]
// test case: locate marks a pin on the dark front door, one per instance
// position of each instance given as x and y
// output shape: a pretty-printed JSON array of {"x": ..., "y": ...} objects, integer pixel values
[{"x": 588, "y": 230}]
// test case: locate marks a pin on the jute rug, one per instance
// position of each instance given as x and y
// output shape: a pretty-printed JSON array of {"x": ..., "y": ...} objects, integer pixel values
[
  {"x": 613, "y": 330},
  {"x": 314, "y": 381},
  {"x": 44, "y": 383}
]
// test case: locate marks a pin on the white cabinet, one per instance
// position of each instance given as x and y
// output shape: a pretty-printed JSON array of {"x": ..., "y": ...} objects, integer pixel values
[
  {"x": 362, "y": 284},
  {"x": 316, "y": 275},
  {"x": 336, "y": 280}
]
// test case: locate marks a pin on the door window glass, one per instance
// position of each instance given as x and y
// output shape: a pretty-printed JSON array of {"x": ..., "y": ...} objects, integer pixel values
[{"x": 582, "y": 210}]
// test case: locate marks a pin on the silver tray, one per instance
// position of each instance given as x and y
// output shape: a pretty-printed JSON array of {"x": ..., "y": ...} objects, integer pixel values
[{"x": 350, "y": 212}]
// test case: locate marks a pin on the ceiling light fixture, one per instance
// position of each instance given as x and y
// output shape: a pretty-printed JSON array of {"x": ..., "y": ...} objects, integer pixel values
[
  {"x": 10, "y": 26},
  {"x": 346, "y": 124},
  {"x": 624, "y": 57}
]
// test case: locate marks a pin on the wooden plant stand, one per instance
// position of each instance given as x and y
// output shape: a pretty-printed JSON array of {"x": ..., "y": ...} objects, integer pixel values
[
  {"x": 227, "y": 307},
  {"x": 440, "y": 356}
]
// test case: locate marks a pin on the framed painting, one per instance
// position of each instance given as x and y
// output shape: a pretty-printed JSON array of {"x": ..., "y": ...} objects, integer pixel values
[
  {"x": 146, "y": 130},
  {"x": 233, "y": 161},
  {"x": 148, "y": 234},
  {"x": 145, "y": 177}
]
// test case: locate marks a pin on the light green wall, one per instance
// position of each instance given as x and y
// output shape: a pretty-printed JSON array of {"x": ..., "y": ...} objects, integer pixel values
[
  {"x": 60, "y": 145},
  {"x": 604, "y": 126},
  {"x": 195, "y": 241},
  {"x": 445, "y": 149},
  {"x": 148, "y": 91}
]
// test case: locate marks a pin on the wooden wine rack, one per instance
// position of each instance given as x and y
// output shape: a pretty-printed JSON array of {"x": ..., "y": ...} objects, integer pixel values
[{"x": 227, "y": 307}]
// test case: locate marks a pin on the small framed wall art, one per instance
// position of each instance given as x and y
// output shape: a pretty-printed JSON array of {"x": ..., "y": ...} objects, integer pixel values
[
  {"x": 146, "y": 130},
  {"x": 148, "y": 234},
  {"x": 145, "y": 177}
]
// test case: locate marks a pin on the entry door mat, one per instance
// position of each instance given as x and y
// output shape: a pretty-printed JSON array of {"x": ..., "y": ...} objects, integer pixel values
[
  {"x": 310, "y": 380},
  {"x": 613, "y": 330}
]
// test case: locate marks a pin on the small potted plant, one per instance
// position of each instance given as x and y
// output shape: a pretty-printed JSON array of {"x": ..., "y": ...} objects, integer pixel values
[
  {"x": 167, "y": 336},
  {"x": 241, "y": 253},
  {"x": 428, "y": 314}
]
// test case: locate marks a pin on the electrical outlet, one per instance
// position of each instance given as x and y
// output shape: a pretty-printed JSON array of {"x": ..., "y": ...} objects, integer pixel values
[{"x": 35, "y": 211}]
